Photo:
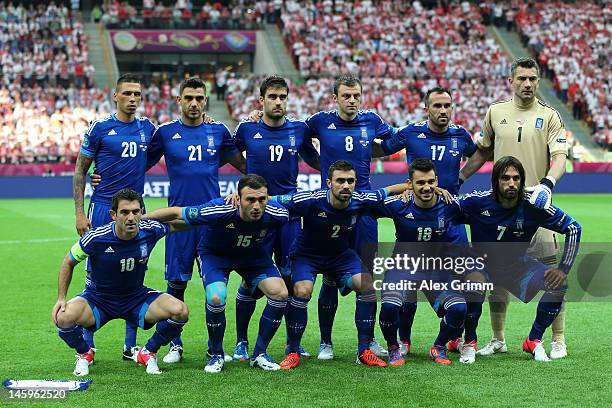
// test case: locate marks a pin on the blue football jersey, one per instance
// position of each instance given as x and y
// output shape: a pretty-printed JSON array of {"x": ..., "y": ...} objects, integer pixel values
[
  {"x": 490, "y": 222},
  {"x": 272, "y": 152},
  {"x": 228, "y": 234},
  {"x": 417, "y": 224},
  {"x": 351, "y": 141},
  {"x": 193, "y": 155},
  {"x": 326, "y": 230},
  {"x": 118, "y": 266},
  {"x": 119, "y": 150},
  {"x": 444, "y": 149}
]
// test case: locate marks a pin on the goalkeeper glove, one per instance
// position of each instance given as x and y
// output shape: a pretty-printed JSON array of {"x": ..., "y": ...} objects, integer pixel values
[{"x": 541, "y": 194}]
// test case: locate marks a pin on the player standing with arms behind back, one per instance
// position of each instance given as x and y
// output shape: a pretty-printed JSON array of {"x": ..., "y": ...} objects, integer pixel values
[{"x": 533, "y": 132}]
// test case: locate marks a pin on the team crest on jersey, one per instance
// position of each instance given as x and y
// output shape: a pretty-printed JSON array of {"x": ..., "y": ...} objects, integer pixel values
[
  {"x": 263, "y": 233},
  {"x": 364, "y": 141},
  {"x": 144, "y": 254},
  {"x": 292, "y": 146},
  {"x": 539, "y": 123},
  {"x": 353, "y": 220},
  {"x": 211, "y": 145},
  {"x": 519, "y": 228},
  {"x": 454, "y": 149}
]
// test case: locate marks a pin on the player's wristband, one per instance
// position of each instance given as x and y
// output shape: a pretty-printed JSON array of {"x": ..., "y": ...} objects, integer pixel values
[{"x": 549, "y": 182}]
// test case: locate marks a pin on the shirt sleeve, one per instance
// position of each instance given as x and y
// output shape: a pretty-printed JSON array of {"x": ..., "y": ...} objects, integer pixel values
[
  {"x": 312, "y": 122},
  {"x": 557, "y": 142},
  {"x": 239, "y": 137},
  {"x": 556, "y": 220},
  {"x": 383, "y": 130},
  {"x": 228, "y": 144},
  {"x": 371, "y": 199},
  {"x": 208, "y": 213},
  {"x": 155, "y": 150},
  {"x": 77, "y": 253},
  {"x": 296, "y": 203},
  {"x": 487, "y": 133},
  {"x": 91, "y": 140},
  {"x": 396, "y": 142},
  {"x": 307, "y": 151},
  {"x": 386, "y": 209},
  {"x": 470, "y": 146}
]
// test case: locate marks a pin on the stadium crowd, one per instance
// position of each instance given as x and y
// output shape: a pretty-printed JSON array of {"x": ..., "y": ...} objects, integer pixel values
[
  {"x": 572, "y": 44},
  {"x": 43, "y": 44},
  {"x": 184, "y": 14},
  {"x": 399, "y": 51}
]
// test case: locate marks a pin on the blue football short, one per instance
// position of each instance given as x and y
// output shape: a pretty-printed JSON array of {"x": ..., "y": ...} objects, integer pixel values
[
  {"x": 218, "y": 268},
  {"x": 131, "y": 307}
]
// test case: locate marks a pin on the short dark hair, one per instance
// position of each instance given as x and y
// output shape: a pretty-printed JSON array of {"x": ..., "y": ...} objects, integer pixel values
[
  {"x": 272, "y": 81},
  {"x": 128, "y": 78},
  {"x": 253, "y": 181},
  {"x": 193, "y": 82},
  {"x": 126, "y": 194},
  {"x": 420, "y": 164},
  {"x": 437, "y": 90},
  {"x": 346, "y": 80},
  {"x": 500, "y": 167},
  {"x": 524, "y": 62},
  {"x": 341, "y": 165}
]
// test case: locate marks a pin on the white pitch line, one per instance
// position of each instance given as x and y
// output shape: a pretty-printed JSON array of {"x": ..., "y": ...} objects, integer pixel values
[{"x": 37, "y": 241}]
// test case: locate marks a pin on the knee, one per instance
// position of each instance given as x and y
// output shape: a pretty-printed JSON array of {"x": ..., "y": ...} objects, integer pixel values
[
  {"x": 65, "y": 319},
  {"x": 302, "y": 291},
  {"x": 279, "y": 293},
  {"x": 216, "y": 294},
  {"x": 180, "y": 311}
]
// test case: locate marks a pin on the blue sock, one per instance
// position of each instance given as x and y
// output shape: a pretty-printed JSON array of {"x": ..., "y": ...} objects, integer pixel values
[
  {"x": 73, "y": 336},
  {"x": 215, "y": 323},
  {"x": 131, "y": 330},
  {"x": 177, "y": 289},
  {"x": 297, "y": 317},
  {"x": 406, "y": 318},
  {"x": 548, "y": 309},
  {"x": 88, "y": 335},
  {"x": 452, "y": 323},
  {"x": 268, "y": 324},
  {"x": 365, "y": 318},
  {"x": 165, "y": 330},
  {"x": 474, "y": 310},
  {"x": 245, "y": 307},
  {"x": 327, "y": 305},
  {"x": 388, "y": 320}
]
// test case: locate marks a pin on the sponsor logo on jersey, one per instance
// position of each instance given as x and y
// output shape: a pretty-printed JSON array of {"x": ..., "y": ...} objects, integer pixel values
[
  {"x": 503, "y": 122},
  {"x": 323, "y": 214},
  {"x": 409, "y": 216},
  {"x": 485, "y": 213},
  {"x": 230, "y": 226},
  {"x": 332, "y": 126},
  {"x": 560, "y": 140},
  {"x": 422, "y": 136},
  {"x": 258, "y": 136},
  {"x": 110, "y": 250},
  {"x": 112, "y": 132},
  {"x": 539, "y": 123},
  {"x": 176, "y": 136}
]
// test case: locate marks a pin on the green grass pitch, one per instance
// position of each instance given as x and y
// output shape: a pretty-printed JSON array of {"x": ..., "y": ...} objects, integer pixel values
[{"x": 36, "y": 234}]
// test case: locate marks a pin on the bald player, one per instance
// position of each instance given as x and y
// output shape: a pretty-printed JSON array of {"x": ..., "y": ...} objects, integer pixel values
[{"x": 533, "y": 132}]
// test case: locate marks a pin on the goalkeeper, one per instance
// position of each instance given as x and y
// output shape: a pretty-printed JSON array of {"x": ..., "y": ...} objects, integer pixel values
[{"x": 528, "y": 129}]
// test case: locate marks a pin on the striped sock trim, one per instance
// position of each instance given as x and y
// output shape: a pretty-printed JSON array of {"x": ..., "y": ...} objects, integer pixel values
[
  {"x": 300, "y": 304},
  {"x": 277, "y": 303},
  {"x": 215, "y": 308}
]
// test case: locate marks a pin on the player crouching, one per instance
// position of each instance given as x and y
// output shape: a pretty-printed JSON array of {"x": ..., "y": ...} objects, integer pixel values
[{"x": 118, "y": 252}]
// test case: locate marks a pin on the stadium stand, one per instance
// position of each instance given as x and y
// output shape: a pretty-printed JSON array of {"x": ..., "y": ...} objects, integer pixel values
[
  {"x": 572, "y": 44},
  {"x": 42, "y": 44},
  {"x": 399, "y": 51},
  {"x": 184, "y": 14}
]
